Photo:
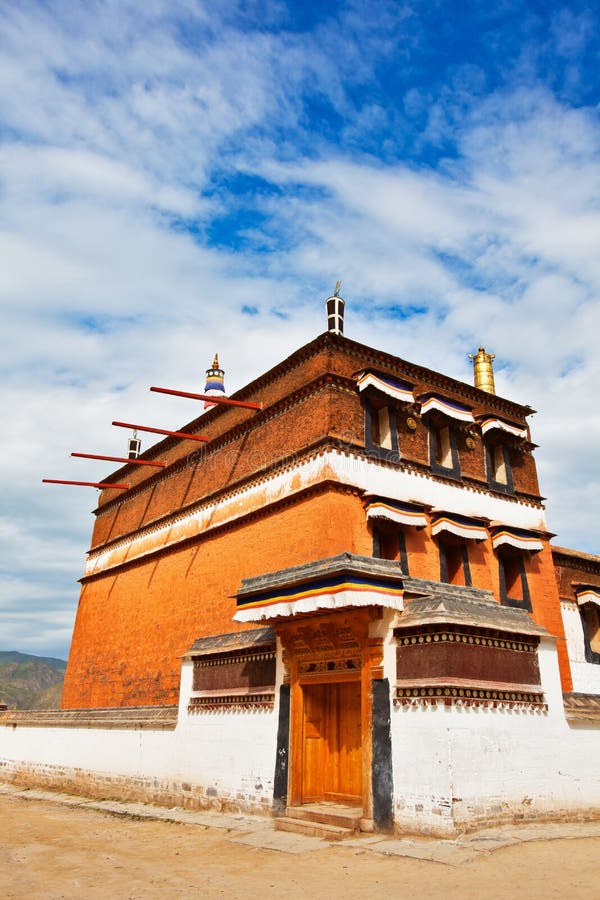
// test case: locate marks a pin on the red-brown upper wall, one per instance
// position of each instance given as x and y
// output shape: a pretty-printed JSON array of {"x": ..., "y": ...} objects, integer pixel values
[
  {"x": 310, "y": 396},
  {"x": 574, "y": 567}
]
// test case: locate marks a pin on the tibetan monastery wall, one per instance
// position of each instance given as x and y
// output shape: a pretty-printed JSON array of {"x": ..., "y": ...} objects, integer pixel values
[
  {"x": 134, "y": 624},
  {"x": 455, "y": 767},
  {"x": 149, "y": 609},
  {"x": 266, "y": 493},
  {"x": 232, "y": 459}
]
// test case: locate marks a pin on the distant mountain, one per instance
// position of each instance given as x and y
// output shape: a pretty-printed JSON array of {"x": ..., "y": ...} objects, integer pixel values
[
  {"x": 13, "y": 656},
  {"x": 30, "y": 682}
]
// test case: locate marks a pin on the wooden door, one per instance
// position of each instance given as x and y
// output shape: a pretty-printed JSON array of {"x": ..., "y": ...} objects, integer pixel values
[
  {"x": 331, "y": 751},
  {"x": 314, "y": 742}
]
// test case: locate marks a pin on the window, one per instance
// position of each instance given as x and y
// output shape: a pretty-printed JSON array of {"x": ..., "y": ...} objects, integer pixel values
[
  {"x": 381, "y": 432},
  {"x": 498, "y": 470},
  {"x": 514, "y": 590},
  {"x": 442, "y": 448},
  {"x": 389, "y": 542},
  {"x": 381, "y": 428},
  {"x": 590, "y": 619},
  {"x": 454, "y": 561},
  {"x": 443, "y": 455},
  {"x": 499, "y": 473}
]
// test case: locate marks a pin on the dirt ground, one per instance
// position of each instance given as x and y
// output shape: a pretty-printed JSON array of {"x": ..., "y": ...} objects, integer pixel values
[{"x": 52, "y": 851}]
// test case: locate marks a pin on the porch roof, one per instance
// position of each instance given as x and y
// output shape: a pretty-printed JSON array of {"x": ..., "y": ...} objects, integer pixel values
[{"x": 336, "y": 582}]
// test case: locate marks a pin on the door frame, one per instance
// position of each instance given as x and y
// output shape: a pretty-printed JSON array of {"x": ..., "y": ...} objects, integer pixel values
[
  {"x": 301, "y": 748},
  {"x": 367, "y": 660}
]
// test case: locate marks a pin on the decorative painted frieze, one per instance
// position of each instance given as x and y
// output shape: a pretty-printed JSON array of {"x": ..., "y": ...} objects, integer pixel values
[
  {"x": 233, "y": 671},
  {"x": 370, "y": 475}
]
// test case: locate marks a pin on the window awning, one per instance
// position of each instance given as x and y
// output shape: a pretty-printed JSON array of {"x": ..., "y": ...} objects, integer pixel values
[
  {"x": 516, "y": 537},
  {"x": 395, "y": 511},
  {"x": 399, "y": 390},
  {"x": 587, "y": 593},
  {"x": 462, "y": 526},
  {"x": 489, "y": 423},
  {"x": 451, "y": 408}
]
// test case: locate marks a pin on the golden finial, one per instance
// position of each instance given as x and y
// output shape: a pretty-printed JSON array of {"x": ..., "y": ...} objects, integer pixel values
[
  {"x": 338, "y": 285},
  {"x": 483, "y": 370},
  {"x": 215, "y": 364}
]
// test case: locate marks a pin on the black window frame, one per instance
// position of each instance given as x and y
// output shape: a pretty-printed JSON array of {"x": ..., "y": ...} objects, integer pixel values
[
  {"x": 507, "y": 487},
  {"x": 591, "y": 656},
  {"x": 446, "y": 544},
  {"x": 518, "y": 556},
  {"x": 374, "y": 449},
  {"x": 398, "y": 532},
  {"x": 453, "y": 471}
]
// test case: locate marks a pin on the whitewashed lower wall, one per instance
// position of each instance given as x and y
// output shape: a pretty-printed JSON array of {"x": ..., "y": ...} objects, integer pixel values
[
  {"x": 214, "y": 760},
  {"x": 461, "y": 767},
  {"x": 454, "y": 767}
]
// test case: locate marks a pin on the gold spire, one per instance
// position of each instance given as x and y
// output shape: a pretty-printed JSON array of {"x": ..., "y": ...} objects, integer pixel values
[
  {"x": 215, "y": 364},
  {"x": 483, "y": 371}
]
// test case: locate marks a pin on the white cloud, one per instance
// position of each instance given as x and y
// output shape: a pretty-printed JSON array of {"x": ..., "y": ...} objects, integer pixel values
[{"x": 122, "y": 128}]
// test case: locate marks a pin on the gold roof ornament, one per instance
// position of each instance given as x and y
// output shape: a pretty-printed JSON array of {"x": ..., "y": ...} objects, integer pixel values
[
  {"x": 483, "y": 371},
  {"x": 215, "y": 364}
]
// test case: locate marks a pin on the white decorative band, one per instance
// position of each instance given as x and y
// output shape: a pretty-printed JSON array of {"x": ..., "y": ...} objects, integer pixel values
[{"x": 379, "y": 480}]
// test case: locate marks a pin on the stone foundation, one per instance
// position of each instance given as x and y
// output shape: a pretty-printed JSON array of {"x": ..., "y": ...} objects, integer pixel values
[{"x": 160, "y": 792}]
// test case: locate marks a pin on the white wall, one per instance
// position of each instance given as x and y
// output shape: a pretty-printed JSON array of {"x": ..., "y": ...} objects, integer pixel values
[
  {"x": 453, "y": 766},
  {"x": 221, "y": 760},
  {"x": 467, "y": 766}
]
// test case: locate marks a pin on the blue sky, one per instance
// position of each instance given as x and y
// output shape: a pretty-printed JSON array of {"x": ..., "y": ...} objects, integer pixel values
[{"x": 179, "y": 177}]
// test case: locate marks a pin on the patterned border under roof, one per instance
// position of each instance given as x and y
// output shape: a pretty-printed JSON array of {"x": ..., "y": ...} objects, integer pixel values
[
  {"x": 232, "y": 641},
  {"x": 329, "y": 593}
]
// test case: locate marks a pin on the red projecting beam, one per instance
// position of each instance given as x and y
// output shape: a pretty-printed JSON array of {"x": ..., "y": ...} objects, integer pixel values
[
  {"x": 225, "y": 401},
  {"x": 122, "y": 459},
  {"x": 179, "y": 434},
  {"x": 96, "y": 484}
]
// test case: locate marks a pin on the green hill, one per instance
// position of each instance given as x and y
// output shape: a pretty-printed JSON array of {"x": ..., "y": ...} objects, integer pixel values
[{"x": 30, "y": 682}]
